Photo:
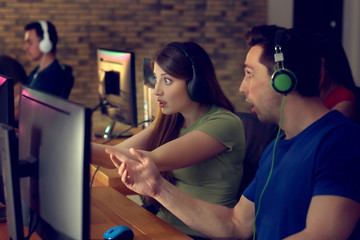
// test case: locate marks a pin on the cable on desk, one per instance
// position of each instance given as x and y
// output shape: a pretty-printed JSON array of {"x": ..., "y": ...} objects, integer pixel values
[
  {"x": 126, "y": 130},
  {"x": 95, "y": 108},
  {"x": 34, "y": 221},
  {"x": 93, "y": 177}
]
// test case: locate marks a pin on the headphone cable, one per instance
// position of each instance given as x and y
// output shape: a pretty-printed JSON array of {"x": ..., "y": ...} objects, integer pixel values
[{"x": 272, "y": 165}]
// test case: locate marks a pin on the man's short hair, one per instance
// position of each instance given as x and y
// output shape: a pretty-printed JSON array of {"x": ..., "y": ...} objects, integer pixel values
[
  {"x": 300, "y": 55},
  {"x": 51, "y": 30}
]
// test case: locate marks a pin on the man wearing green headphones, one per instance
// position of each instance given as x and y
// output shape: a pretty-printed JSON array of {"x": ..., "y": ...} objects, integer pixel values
[{"x": 308, "y": 182}]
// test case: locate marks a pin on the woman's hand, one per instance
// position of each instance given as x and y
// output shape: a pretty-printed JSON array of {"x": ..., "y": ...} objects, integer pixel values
[{"x": 139, "y": 174}]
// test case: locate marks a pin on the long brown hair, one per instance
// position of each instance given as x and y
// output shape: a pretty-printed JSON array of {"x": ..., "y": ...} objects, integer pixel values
[{"x": 175, "y": 63}]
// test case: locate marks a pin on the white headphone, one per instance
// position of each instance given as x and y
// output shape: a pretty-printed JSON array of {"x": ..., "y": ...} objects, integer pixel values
[{"x": 45, "y": 44}]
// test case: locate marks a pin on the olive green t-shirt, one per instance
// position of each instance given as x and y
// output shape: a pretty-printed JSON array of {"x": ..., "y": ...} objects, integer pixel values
[{"x": 216, "y": 179}]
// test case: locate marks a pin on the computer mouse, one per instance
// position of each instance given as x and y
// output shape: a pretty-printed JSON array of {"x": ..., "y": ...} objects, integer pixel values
[{"x": 119, "y": 233}]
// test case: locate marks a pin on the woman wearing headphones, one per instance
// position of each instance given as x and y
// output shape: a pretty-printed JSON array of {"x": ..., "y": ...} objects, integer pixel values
[{"x": 194, "y": 116}]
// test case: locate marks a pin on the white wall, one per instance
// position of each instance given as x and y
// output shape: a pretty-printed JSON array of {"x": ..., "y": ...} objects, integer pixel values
[
  {"x": 351, "y": 36},
  {"x": 280, "y": 12}
]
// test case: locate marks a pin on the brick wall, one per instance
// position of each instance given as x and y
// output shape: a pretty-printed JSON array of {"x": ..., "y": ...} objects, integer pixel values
[{"x": 141, "y": 26}]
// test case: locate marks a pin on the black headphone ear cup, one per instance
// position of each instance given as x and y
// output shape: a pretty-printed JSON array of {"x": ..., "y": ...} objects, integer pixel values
[
  {"x": 283, "y": 81},
  {"x": 196, "y": 84},
  {"x": 45, "y": 44}
]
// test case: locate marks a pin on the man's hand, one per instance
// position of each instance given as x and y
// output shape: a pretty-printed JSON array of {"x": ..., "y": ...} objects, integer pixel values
[{"x": 139, "y": 174}]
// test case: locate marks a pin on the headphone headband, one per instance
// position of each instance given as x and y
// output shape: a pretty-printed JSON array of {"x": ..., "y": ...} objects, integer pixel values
[
  {"x": 279, "y": 56},
  {"x": 45, "y": 44},
  {"x": 282, "y": 80}
]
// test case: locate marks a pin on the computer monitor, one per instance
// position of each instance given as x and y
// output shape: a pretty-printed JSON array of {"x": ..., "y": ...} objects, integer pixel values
[
  {"x": 6, "y": 117},
  {"x": 150, "y": 102},
  {"x": 7, "y": 100},
  {"x": 9, "y": 163},
  {"x": 54, "y": 152},
  {"x": 117, "y": 89}
]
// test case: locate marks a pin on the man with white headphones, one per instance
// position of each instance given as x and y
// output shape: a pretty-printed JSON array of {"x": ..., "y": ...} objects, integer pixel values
[{"x": 40, "y": 45}]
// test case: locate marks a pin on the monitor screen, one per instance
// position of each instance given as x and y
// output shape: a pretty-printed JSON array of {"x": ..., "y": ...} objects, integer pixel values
[
  {"x": 150, "y": 101},
  {"x": 117, "y": 89},
  {"x": 54, "y": 145},
  {"x": 7, "y": 100},
  {"x": 9, "y": 163},
  {"x": 149, "y": 78}
]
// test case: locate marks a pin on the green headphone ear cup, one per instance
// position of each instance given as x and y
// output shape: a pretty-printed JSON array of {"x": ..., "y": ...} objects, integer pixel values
[{"x": 283, "y": 81}]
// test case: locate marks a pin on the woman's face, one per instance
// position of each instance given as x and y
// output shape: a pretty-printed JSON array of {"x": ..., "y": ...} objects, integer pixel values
[{"x": 171, "y": 92}]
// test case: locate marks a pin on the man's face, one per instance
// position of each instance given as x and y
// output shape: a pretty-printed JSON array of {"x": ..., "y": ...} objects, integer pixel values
[
  {"x": 256, "y": 86},
  {"x": 31, "y": 45}
]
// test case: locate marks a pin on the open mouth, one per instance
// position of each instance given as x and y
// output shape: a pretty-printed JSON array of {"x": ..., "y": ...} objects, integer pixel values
[
  {"x": 252, "y": 109},
  {"x": 162, "y": 103}
]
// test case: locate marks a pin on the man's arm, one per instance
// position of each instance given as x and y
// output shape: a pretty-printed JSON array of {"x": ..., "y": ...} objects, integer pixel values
[
  {"x": 214, "y": 221},
  {"x": 330, "y": 218}
]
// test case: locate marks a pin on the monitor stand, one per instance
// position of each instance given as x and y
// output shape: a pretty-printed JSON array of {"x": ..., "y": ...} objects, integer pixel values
[{"x": 109, "y": 132}]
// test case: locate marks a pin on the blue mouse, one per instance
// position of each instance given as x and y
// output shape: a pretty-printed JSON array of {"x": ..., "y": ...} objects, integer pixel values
[{"x": 119, "y": 233}]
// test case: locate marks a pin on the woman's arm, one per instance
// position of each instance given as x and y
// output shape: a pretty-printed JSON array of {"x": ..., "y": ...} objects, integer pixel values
[
  {"x": 187, "y": 150},
  {"x": 184, "y": 151},
  {"x": 139, "y": 140}
]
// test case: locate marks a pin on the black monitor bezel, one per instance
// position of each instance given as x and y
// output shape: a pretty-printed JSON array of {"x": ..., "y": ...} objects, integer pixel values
[
  {"x": 7, "y": 101},
  {"x": 9, "y": 165}
]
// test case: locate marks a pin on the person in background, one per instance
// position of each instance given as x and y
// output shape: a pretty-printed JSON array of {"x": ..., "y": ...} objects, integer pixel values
[
  {"x": 49, "y": 76},
  {"x": 337, "y": 88},
  {"x": 308, "y": 183},
  {"x": 196, "y": 139},
  {"x": 12, "y": 68}
]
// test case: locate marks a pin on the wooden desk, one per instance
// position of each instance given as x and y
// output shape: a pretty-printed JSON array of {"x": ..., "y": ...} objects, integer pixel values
[
  {"x": 109, "y": 208},
  {"x": 110, "y": 177}
]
